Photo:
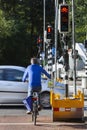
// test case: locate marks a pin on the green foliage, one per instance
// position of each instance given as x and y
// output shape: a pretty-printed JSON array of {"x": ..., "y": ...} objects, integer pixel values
[
  {"x": 21, "y": 22},
  {"x": 5, "y": 26},
  {"x": 81, "y": 20}
]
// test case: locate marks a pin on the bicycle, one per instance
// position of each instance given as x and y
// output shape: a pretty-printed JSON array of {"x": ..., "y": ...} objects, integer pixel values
[{"x": 35, "y": 111}]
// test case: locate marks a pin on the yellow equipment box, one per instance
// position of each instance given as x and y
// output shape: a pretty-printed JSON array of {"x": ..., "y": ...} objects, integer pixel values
[{"x": 67, "y": 108}]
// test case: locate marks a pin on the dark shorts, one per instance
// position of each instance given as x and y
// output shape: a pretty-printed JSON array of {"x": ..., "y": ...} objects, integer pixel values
[{"x": 36, "y": 89}]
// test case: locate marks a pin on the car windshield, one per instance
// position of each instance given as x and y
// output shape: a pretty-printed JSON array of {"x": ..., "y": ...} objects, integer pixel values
[{"x": 11, "y": 75}]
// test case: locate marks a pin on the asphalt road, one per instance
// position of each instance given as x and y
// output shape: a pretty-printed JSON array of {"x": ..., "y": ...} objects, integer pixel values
[
  {"x": 15, "y": 118},
  {"x": 21, "y": 110}
]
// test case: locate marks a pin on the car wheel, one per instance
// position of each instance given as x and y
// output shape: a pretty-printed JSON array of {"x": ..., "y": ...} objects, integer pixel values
[{"x": 45, "y": 99}]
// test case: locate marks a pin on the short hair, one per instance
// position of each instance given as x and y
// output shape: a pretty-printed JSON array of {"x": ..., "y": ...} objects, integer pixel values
[{"x": 34, "y": 61}]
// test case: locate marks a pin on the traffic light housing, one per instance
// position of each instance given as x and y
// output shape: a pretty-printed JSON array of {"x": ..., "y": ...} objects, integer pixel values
[
  {"x": 39, "y": 40},
  {"x": 39, "y": 43},
  {"x": 49, "y": 32},
  {"x": 63, "y": 18}
]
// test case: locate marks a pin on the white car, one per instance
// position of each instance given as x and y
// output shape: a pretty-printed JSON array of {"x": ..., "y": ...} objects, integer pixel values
[{"x": 13, "y": 90}]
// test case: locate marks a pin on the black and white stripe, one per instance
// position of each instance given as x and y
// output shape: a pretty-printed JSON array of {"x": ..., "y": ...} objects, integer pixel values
[
  {"x": 41, "y": 59},
  {"x": 66, "y": 63},
  {"x": 66, "y": 84},
  {"x": 49, "y": 59}
]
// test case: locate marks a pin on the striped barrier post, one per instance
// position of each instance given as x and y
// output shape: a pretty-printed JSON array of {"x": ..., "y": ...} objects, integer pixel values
[
  {"x": 66, "y": 64},
  {"x": 50, "y": 61}
]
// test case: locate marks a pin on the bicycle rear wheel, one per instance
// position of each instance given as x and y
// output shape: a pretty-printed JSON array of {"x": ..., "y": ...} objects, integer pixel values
[
  {"x": 34, "y": 114},
  {"x": 34, "y": 118}
]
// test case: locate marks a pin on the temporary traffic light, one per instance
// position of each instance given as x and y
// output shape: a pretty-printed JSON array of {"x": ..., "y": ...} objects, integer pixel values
[
  {"x": 49, "y": 32},
  {"x": 64, "y": 18}
]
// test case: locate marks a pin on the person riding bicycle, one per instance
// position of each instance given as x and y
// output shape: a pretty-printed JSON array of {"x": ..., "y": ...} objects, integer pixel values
[{"x": 33, "y": 74}]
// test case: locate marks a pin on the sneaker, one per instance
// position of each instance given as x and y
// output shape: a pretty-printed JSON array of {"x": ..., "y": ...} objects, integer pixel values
[{"x": 28, "y": 112}]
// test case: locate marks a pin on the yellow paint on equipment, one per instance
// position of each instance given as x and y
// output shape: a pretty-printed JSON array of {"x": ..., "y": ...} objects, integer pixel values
[
  {"x": 59, "y": 80},
  {"x": 67, "y": 108}
]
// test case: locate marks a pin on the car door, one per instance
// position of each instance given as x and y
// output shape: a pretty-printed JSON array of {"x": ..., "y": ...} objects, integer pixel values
[{"x": 12, "y": 89}]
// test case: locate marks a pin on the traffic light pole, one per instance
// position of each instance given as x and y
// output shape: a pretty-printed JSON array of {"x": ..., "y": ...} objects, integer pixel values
[
  {"x": 64, "y": 29},
  {"x": 49, "y": 48},
  {"x": 56, "y": 29},
  {"x": 44, "y": 42},
  {"x": 73, "y": 43}
]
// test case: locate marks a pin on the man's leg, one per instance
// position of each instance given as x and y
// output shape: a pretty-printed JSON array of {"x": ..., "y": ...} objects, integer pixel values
[{"x": 29, "y": 100}]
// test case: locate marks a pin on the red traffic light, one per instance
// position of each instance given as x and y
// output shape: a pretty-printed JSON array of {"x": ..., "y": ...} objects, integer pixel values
[
  {"x": 64, "y": 18},
  {"x": 39, "y": 40},
  {"x": 49, "y": 32},
  {"x": 49, "y": 29},
  {"x": 64, "y": 9}
]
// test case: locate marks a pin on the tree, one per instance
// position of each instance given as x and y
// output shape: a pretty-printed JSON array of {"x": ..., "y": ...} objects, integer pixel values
[
  {"x": 21, "y": 22},
  {"x": 81, "y": 20}
]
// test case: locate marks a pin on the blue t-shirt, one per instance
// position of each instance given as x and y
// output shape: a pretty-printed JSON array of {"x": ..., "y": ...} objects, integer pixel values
[{"x": 33, "y": 73}]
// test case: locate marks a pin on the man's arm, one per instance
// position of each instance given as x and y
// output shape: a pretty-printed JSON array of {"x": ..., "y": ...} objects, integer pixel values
[
  {"x": 47, "y": 74},
  {"x": 25, "y": 75}
]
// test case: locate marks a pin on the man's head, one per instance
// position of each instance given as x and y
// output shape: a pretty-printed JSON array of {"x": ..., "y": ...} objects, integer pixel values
[{"x": 34, "y": 61}]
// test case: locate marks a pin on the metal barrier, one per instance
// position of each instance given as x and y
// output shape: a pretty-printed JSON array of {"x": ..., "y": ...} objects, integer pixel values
[{"x": 67, "y": 109}]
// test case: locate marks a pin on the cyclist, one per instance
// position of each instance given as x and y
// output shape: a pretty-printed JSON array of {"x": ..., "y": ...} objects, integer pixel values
[{"x": 33, "y": 74}]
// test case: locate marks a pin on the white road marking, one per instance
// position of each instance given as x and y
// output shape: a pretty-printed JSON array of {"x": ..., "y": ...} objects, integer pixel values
[{"x": 45, "y": 123}]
